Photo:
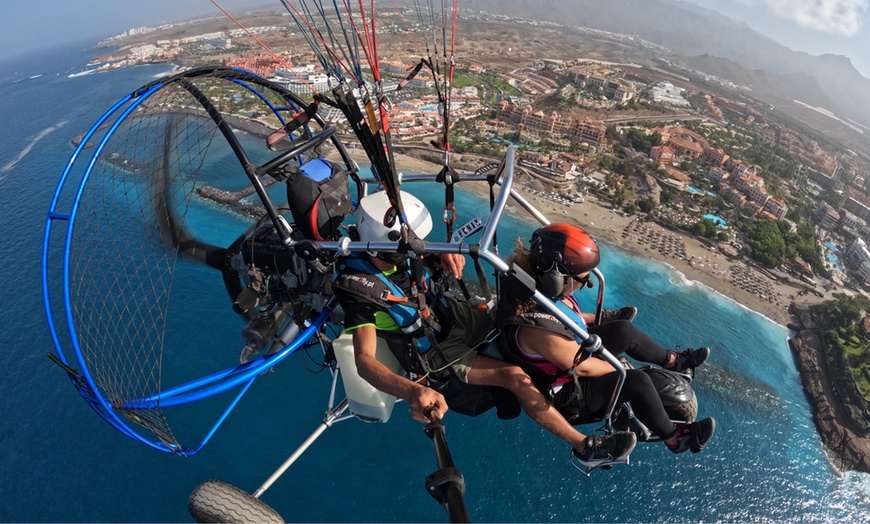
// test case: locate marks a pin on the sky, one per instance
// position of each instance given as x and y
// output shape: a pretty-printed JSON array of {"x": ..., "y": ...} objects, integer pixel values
[
  {"x": 28, "y": 25},
  {"x": 839, "y": 27}
]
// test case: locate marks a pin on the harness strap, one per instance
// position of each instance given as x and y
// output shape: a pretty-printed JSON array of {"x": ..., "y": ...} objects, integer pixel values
[
  {"x": 389, "y": 297},
  {"x": 538, "y": 319},
  {"x": 448, "y": 177},
  {"x": 411, "y": 75},
  {"x": 481, "y": 278},
  {"x": 429, "y": 322},
  {"x": 411, "y": 316},
  {"x": 299, "y": 120}
]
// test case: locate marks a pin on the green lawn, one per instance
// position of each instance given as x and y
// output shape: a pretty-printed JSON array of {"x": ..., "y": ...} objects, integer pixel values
[
  {"x": 460, "y": 81},
  {"x": 856, "y": 354}
]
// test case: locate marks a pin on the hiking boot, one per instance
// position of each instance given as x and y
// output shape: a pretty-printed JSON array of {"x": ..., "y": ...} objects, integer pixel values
[
  {"x": 689, "y": 359},
  {"x": 603, "y": 449},
  {"x": 694, "y": 436},
  {"x": 626, "y": 313}
]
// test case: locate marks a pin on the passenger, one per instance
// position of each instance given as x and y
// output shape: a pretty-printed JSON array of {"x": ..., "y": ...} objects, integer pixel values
[
  {"x": 560, "y": 259},
  {"x": 374, "y": 289}
]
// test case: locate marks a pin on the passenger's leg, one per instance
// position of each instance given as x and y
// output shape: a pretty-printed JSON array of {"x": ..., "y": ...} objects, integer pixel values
[
  {"x": 647, "y": 406},
  {"x": 639, "y": 390},
  {"x": 488, "y": 371},
  {"x": 621, "y": 336}
]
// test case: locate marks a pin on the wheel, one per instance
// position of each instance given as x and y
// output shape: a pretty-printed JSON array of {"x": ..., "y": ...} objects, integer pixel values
[
  {"x": 686, "y": 411},
  {"x": 675, "y": 390},
  {"x": 215, "y": 501}
]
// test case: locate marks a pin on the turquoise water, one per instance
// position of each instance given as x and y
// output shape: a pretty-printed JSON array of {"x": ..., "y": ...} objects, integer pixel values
[
  {"x": 512, "y": 143},
  {"x": 62, "y": 463},
  {"x": 697, "y": 191},
  {"x": 832, "y": 254},
  {"x": 721, "y": 222}
]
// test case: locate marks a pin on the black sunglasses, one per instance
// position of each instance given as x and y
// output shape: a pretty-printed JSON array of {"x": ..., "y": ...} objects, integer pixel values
[{"x": 581, "y": 280}]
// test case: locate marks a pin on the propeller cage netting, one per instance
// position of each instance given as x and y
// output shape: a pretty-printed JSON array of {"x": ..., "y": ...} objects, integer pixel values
[{"x": 162, "y": 157}]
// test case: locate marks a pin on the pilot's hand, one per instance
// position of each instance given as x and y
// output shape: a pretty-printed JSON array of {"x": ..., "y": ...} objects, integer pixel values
[
  {"x": 425, "y": 399},
  {"x": 453, "y": 263}
]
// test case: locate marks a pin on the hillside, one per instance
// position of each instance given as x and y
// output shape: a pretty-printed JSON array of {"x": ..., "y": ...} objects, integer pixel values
[{"x": 699, "y": 38}]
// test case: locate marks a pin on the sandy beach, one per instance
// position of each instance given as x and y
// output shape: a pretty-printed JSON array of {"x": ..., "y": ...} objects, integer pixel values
[{"x": 687, "y": 254}]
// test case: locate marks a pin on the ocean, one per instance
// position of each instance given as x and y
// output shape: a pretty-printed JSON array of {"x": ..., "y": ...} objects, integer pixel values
[{"x": 62, "y": 463}]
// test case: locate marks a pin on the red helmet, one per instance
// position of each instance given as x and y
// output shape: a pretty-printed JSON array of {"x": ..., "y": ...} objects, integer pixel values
[{"x": 564, "y": 246}]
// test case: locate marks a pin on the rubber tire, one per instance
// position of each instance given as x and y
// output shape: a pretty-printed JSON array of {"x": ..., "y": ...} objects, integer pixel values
[
  {"x": 686, "y": 412},
  {"x": 215, "y": 501}
]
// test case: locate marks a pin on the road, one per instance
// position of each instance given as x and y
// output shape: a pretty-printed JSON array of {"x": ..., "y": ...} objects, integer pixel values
[{"x": 661, "y": 118}]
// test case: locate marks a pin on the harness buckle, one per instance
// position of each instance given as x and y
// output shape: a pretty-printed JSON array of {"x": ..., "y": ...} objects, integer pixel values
[{"x": 449, "y": 214}]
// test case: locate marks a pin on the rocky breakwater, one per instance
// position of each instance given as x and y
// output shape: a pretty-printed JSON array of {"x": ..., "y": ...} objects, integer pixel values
[
  {"x": 849, "y": 448},
  {"x": 235, "y": 200}
]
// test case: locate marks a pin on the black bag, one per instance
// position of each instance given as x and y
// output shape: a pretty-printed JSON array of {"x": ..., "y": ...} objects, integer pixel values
[{"x": 319, "y": 198}]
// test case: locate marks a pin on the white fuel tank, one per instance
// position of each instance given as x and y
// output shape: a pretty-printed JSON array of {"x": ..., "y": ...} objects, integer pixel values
[{"x": 365, "y": 401}]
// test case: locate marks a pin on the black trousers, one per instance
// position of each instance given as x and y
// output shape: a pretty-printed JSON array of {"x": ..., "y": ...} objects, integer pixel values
[
  {"x": 588, "y": 402},
  {"x": 621, "y": 336}
]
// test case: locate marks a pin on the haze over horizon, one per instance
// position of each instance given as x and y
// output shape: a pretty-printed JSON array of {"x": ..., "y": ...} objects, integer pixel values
[{"x": 817, "y": 27}]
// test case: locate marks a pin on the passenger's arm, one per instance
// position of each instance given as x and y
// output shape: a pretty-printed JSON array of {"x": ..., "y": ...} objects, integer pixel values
[
  {"x": 561, "y": 351},
  {"x": 593, "y": 367},
  {"x": 419, "y": 397}
]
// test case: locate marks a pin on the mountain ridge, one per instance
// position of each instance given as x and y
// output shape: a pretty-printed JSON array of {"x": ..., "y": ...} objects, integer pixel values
[{"x": 700, "y": 37}]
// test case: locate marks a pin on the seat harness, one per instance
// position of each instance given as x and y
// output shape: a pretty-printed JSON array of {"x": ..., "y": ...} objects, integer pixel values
[
  {"x": 539, "y": 319},
  {"x": 360, "y": 278}
]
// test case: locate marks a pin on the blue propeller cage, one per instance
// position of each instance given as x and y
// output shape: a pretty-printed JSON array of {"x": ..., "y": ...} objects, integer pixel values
[{"x": 241, "y": 376}]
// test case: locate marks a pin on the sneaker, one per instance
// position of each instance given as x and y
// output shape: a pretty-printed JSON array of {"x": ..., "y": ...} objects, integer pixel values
[
  {"x": 600, "y": 450},
  {"x": 694, "y": 436},
  {"x": 626, "y": 313},
  {"x": 690, "y": 359}
]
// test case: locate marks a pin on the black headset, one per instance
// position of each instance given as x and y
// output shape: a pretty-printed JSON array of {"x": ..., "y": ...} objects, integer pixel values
[{"x": 551, "y": 281}]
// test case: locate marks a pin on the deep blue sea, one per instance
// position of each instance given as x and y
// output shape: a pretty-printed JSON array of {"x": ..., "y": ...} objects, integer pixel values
[{"x": 62, "y": 463}]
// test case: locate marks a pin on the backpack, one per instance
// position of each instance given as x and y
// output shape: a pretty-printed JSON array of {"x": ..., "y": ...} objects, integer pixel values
[{"x": 318, "y": 197}]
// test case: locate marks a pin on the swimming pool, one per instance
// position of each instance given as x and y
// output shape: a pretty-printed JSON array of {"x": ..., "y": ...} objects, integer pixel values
[
  {"x": 832, "y": 247},
  {"x": 509, "y": 142},
  {"x": 697, "y": 191},
  {"x": 834, "y": 260},
  {"x": 717, "y": 219}
]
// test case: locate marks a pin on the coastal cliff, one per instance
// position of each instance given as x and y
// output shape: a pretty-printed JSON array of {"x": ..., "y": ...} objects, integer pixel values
[{"x": 847, "y": 447}]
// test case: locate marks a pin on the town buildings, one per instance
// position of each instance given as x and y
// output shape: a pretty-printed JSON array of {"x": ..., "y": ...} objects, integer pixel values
[{"x": 526, "y": 118}]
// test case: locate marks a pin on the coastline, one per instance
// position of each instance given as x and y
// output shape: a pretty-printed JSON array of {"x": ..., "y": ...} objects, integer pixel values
[{"x": 846, "y": 447}]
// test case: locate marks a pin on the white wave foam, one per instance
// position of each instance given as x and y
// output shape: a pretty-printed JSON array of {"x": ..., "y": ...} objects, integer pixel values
[
  {"x": 678, "y": 278},
  {"x": 82, "y": 73},
  {"x": 175, "y": 68},
  {"x": 859, "y": 481},
  {"x": 42, "y": 134}
]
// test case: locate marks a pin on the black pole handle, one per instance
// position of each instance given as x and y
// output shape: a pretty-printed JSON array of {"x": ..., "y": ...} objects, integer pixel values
[{"x": 446, "y": 485}]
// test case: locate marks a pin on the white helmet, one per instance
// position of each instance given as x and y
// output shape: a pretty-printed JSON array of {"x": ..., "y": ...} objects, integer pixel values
[{"x": 373, "y": 208}]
